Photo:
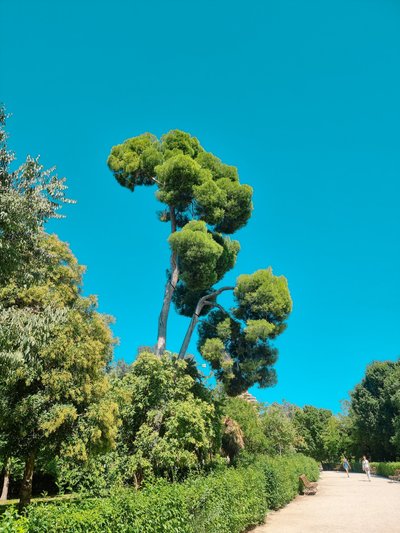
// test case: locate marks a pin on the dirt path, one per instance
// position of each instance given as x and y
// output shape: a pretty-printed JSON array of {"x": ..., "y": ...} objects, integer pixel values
[{"x": 341, "y": 505}]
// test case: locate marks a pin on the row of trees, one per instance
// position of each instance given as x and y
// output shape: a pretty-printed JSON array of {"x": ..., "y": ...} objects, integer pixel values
[
  {"x": 170, "y": 424},
  {"x": 281, "y": 429},
  {"x": 369, "y": 424}
]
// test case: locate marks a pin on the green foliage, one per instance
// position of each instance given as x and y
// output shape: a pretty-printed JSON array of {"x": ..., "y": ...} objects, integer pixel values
[
  {"x": 203, "y": 200},
  {"x": 54, "y": 348},
  {"x": 170, "y": 425},
  {"x": 312, "y": 423},
  {"x": 247, "y": 416},
  {"x": 97, "y": 476},
  {"x": 194, "y": 245},
  {"x": 279, "y": 430},
  {"x": 375, "y": 412},
  {"x": 133, "y": 162},
  {"x": 238, "y": 345},
  {"x": 29, "y": 196},
  {"x": 227, "y": 501},
  {"x": 186, "y": 176},
  {"x": 203, "y": 257},
  {"x": 263, "y": 296},
  {"x": 282, "y": 477},
  {"x": 386, "y": 469},
  {"x": 334, "y": 438},
  {"x": 178, "y": 176}
]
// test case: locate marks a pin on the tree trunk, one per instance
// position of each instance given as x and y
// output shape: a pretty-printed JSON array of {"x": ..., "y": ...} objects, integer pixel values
[
  {"x": 25, "y": 493},
  {"x": 6, "y": 480},
  {"x": 209, "y": 299},
  {"x": 169, "y": 291}
]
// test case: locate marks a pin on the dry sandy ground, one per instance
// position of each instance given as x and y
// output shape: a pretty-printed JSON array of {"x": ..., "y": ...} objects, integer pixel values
[{"x": 345, "y": 505}]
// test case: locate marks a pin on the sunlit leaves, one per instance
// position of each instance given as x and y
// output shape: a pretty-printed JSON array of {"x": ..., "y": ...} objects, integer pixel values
[
  {"x": 133, "y": 161},
  {"x": 54, "y": 348},
  {"x": 176, "y": 141},
  {"x": 198, "y": 255},
  {"x": 195, "y": 183},
  {"x": 263, "y": 296},
  {"x": 210, "y": 201},
  {"x": 258, "y": 330},
  {"x": 237, "y": 207},
  {"x": 213, "y": 350},
  {"x": 178, "y": 176},
  {"x": 169, "y": 424},
  {"x": 29, "y": 197},
  {"x": 218, "y": 169}
]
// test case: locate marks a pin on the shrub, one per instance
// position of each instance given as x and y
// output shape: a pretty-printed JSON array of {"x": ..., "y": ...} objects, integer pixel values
[
  {"x": 170, "y": 424},
  {"x": 281, "y": 476},
  {"x": 386, "y": 469},
  {"x": 227, "y": 501}
]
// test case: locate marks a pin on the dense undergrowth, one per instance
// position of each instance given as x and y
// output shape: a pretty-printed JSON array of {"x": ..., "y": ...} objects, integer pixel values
[{"x": 227, "y": 501}]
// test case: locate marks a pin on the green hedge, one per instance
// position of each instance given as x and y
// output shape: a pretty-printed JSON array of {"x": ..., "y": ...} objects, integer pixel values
[
  {"x": 282, "y": 477},
  {"x": 386, "y": 469},
  {"x": 228, "y": 501}
]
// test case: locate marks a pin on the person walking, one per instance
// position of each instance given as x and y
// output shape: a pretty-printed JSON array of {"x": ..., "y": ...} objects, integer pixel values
[
  {"x": 346, "y": 466},
  {"x": 366, "y": 467}
]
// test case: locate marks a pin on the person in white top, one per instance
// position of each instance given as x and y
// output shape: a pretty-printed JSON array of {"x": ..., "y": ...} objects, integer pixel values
[{"x": 366, "y": 467}]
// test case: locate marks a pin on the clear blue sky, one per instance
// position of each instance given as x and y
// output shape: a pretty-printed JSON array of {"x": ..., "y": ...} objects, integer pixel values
[{"x": 303, "y": 97}]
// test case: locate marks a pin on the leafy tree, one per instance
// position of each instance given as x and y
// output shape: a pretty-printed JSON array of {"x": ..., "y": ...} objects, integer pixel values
[
  {"x": 204, "y": 203},
  {"x": 375, "y": 412},
  {"x": 170, "y": 424},
  {"x": 393, "y": 383},
  {"x": 54, "y": 348},
  {"x": 333, "y": 438},
  {"x": 247, "y": 416},
  {"x": 202, "y": 196},
  {"x": 29, "y": 196},
  {"x": 238, "y": 343},
  {"x": 280, "y": 431},
  {"x": 311, "y": 423}
]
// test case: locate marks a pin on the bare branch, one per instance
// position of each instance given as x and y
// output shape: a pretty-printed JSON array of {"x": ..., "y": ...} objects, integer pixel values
[{"x": 205, "y": 300}]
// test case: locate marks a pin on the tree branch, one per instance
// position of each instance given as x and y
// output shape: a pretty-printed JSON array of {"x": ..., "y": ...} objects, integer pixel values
[{"x": 205, "y": 300}]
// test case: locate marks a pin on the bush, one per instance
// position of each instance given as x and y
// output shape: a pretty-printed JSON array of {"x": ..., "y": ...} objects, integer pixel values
[
  {"x": 281, "y": 476},
  {"x": 227, "y": 501},
  {"x": 386, "y": 469}
]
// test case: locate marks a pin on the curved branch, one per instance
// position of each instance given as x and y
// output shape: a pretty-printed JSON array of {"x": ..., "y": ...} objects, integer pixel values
[{"x": 205, "y": 300}]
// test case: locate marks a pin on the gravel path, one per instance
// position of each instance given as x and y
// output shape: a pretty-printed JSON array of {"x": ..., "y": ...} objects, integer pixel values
[{"x": 345, "y": 505}]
